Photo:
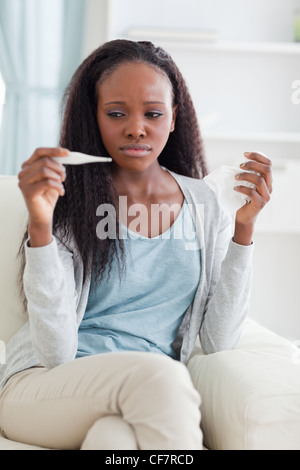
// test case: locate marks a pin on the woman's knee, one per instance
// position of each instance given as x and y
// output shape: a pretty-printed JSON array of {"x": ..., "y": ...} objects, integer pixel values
[
  {"x": 162, "y": 377},
  {"x": 170, "y": 371},
  {"x": 162, "y": 405}
]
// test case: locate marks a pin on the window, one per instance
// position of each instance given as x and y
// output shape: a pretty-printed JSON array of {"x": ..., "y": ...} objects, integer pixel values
[
  {"x": 2, "y": 97},
  {"x": 40, "y": 48}
]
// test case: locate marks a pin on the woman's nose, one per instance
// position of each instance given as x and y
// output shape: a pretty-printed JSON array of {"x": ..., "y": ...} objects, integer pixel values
[{"x": 135, "y": 129}]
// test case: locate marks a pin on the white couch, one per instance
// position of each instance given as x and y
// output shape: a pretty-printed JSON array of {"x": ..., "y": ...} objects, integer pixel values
[{"x": 250, "y": 396}]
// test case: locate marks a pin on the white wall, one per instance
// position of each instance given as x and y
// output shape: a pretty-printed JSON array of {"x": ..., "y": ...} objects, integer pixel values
[
  {"x": 96, "y": 25},
  {"x": 275, "y": 299},
  {"x": 244, "y": 20}
]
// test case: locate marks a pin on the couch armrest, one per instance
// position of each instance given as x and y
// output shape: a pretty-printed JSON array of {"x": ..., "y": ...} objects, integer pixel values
[{"x": 250, "y": 395}]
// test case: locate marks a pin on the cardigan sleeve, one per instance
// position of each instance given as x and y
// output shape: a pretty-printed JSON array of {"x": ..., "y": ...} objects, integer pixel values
[
  {"x": 228, "y": 300},
  {"x": 50, "y": 291}
]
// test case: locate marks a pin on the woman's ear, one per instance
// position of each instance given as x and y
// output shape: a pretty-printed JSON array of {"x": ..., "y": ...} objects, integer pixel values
[{"x": 173, "y": 118}]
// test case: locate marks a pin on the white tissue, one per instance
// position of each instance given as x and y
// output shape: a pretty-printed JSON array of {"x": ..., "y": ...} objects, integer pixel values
[
  {"x": 222, "y": 181},
  {"x": 77, "y": 158}
]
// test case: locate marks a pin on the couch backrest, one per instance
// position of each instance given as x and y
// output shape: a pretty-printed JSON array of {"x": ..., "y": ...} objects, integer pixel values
[{"x": 13, "y": 217}]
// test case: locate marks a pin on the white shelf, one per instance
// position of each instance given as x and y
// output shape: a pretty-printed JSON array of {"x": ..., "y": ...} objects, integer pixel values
[
  {"x": 270, "y": 229},
  {"x": 292, "y": 48},
  {"x": 278, "y": 137}
]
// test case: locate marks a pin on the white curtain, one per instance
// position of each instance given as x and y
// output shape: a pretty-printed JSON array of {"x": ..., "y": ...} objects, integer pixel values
[{"x": 40, "y": 48}]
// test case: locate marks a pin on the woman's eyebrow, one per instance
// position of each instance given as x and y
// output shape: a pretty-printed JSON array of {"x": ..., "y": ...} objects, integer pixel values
[
  {"x": 154, "y": 102},
  {"x": 114, "y": 102},
  {"x": 123, "y": 102}
]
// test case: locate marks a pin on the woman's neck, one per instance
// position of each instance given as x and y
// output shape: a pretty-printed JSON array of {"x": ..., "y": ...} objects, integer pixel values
[{"x": 139, "y": 185}]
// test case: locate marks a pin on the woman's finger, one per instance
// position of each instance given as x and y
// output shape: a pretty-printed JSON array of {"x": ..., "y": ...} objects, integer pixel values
[
  {"x": 261, "y": 164},
  {"x": 257, "y": 202},
  {"x": 40, "y": 187},
  {"x": 43, "y": 168},
  {"x": 259, "y": 182},
  {"x": 259, "y": 157},
  {"x": 45, "y": 152}
]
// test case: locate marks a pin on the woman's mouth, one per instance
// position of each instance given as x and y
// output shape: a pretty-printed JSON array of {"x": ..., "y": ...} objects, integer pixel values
[{"x": 136, "y": 150}]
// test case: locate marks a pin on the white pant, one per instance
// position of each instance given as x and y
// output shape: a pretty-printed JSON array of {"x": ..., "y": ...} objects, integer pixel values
[{"x": 124, "y": 400}]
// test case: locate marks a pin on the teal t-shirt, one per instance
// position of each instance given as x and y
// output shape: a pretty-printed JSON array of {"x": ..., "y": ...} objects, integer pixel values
[{"x": 143, "y": 310}]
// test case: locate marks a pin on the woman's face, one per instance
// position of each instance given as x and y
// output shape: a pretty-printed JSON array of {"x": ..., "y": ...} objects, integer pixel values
[{"x": 135, "y": 115}]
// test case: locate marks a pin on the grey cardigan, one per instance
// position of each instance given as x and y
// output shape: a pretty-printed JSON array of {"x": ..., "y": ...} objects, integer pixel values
[{"x": 57, "y": 296}]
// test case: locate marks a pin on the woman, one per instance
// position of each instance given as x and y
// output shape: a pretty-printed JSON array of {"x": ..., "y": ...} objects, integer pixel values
[{"x": 115, "y": 297}]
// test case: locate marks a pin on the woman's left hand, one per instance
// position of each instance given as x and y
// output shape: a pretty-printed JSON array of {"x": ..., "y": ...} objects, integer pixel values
[{"x": 258, "y": 196}]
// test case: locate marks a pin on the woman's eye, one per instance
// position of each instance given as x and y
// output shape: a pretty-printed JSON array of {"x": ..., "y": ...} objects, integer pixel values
[
  {"x": 153, "y": 114},
  {"x": 115, "y": 114}
]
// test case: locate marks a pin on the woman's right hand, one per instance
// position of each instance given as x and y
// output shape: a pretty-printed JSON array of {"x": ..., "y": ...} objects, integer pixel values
[{"x": 41, "y": 182}]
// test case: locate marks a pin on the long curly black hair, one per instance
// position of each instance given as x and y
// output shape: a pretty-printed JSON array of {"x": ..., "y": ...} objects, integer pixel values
[{"x": 88, "y": 186}]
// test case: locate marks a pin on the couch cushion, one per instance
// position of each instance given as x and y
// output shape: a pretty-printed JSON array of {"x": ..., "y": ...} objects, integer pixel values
[
  {"x": 6, "y": 444},
  {"x": 262, "y": 379},
  {"x": 13, "y": 212}
]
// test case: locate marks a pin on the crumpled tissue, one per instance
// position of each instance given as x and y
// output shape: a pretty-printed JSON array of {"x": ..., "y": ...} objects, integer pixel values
[{"x": 222, "y": 181}]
